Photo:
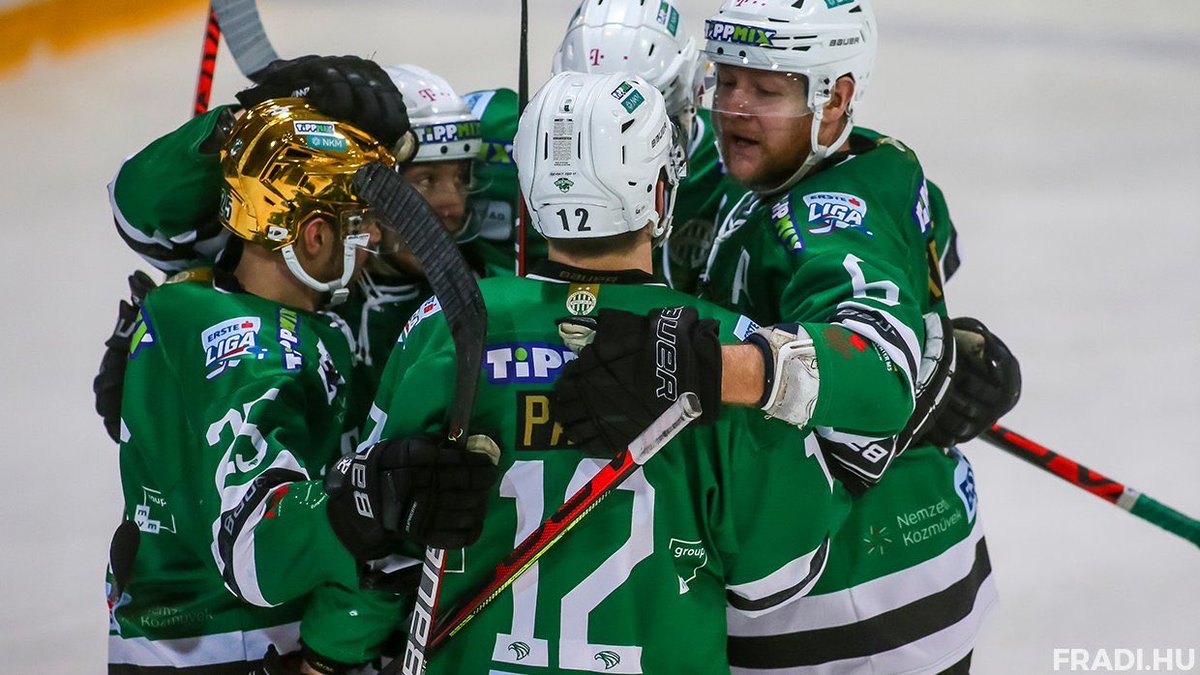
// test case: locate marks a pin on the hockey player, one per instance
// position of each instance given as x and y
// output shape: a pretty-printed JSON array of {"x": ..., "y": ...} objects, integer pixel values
[
  {"x": 640, "y": 586},
  {"x": 604, "y": 36},
  {"x": 235, "y": 401},
  {"x": 607, "y": 36},
  {"x": 164, "y": 198},
  {"x": 831, "y": 236}
]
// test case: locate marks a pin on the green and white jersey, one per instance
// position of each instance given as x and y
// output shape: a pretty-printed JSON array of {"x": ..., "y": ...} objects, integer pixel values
[
  {"x": 741, "y": 511},
  {"x": 686, "y": 248},
  {"x": 495, "y": 201},
  {"x": 233, "y": 406},
  {"x": 685, "y": 252},
  {"x": 851, "y": 253},
  {"x": 165, "y": 198},
  {"x": 376, "y": 313},
  {"x": 843, "y": 254}
]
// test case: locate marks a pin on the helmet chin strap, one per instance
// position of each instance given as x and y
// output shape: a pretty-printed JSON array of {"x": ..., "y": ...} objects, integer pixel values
[{"x": 337, "y": 288}]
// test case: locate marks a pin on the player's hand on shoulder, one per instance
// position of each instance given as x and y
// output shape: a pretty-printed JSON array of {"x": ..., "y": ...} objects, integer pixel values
[
  {"x": 418, "y": 489},
  {"x": 109, "y": 383},
  {"x": 985, "y": 386},
  {"x": 348, "y": 88},
  {"x": 630, "y": 369}
]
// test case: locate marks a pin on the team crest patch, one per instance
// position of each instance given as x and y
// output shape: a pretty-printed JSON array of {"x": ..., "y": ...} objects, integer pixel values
[
  {"x": 921, "y": 211},
  {"x": 564, "y": 184},
  {"x": 330, "y": 377},
  {"x": 581, "y": 299},
  {"x": 141, "y": 337},
  {"x": 832, "y": 211},
  {"x": 785, "y": 224},
  {"x": 426, "y": 310},
  {"x": 227, "y": 343},
  {"x": 745, "y": 326},
  {"x": 964, "y": 484},
  {"x": 525, "y": 362}
]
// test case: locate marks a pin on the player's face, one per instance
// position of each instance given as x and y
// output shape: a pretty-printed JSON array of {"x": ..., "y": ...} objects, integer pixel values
[
  {"x": 444, "y": 185},
  {"x": 763, "y": 122}
]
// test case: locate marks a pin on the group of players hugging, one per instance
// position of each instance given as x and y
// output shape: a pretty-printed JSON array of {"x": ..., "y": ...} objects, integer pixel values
[{"x": 705, "y": 220}]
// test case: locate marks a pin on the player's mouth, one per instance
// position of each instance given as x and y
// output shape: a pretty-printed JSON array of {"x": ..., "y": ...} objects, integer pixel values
[{"x": 740, "y": 142}]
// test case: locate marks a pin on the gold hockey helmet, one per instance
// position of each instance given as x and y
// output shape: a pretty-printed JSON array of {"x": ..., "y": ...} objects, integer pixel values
[{"x": 284, "y": 162}]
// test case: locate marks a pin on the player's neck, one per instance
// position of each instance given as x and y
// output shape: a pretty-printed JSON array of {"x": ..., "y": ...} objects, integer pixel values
[
  {"x": 265, "y": 274},
  {"x": 640, "y": 258}
]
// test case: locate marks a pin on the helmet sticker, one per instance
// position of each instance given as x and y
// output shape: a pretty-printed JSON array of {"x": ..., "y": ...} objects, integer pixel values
[
  {"x": 722, "y": 31},
  {"x": 669, "y": 17}
]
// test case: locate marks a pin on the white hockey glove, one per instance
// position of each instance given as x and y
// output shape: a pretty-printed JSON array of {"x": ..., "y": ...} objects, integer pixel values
[{"x": 792, "y": 379}]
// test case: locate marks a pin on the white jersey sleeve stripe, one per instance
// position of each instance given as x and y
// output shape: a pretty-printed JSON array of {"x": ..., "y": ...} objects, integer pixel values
[{"x": 793, "y": 580}]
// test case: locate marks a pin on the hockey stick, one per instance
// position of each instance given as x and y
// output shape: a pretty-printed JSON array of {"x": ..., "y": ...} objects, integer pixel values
[
  {"x": 522, "y": 101},
  {"x": 208, "y": 63},
  {"x": 1102, "y": 486},
  {"x": 685, "y": 409},
  {"x": 462, "y": 306},
  {"x": 244, "y": 35}
]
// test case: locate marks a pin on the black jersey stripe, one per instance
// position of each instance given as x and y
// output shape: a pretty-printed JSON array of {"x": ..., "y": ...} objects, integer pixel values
[
  {"x": 234, "y": 521},
  {"x": 882, "y": 325},
  {"x": 815, "y": 567},
  {"x": 878, "y": 634}
]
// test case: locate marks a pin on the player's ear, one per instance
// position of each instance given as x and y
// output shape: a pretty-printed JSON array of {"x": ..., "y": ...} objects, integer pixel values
[
  {"x": 314, "y": 236},
  {"x": 839, "y": 98}
]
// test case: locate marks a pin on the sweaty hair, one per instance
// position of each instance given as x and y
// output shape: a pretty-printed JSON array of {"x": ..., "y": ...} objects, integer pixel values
[{"x": 617, "y": 244}]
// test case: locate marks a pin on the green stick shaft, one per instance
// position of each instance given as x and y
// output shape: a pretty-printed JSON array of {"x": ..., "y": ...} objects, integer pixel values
[{"x": 1102, "y": 486}]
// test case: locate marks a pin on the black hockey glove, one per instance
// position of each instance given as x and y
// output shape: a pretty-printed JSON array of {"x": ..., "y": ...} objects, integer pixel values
[
  {"x": 633, "y": 370},
  {"x": 109, "y": 383},
  {"x": 410, "y": 489},
  {"x": 986, "y": 385},
  {"x": 344, "y": 87}
]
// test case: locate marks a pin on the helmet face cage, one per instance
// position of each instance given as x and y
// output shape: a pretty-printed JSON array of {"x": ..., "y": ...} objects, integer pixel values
[
  {"x": 590, "y": 152},
  {"x": 444, "y": 126},
  {"x": 612, "y": 36}
]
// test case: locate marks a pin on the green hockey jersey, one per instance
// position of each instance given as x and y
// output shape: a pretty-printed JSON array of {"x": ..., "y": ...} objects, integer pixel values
[
  {"x": 853, "y": 254},
  {"x": 165, "y": 199},
  {"x": 233, "y": 406},
  {"x": 741, "y": 510}
]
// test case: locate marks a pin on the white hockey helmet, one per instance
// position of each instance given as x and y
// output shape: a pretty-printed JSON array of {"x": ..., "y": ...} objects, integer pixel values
[
  {"x": 822, "y": 40},
  {"x": 445, "y": 127},
  {"x": 591, "y": 150},
  {"x": 635, "y": 36}
]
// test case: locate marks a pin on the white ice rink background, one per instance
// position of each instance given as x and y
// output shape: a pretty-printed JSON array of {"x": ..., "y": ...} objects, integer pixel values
[{"x": 1066, "y": 134}]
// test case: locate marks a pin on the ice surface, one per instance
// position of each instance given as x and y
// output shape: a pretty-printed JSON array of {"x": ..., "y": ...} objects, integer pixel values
[{"x": 1065, "y": 135}]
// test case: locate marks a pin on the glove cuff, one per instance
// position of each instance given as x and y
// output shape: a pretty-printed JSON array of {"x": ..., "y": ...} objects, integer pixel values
[{"x": 795, "y": 381}]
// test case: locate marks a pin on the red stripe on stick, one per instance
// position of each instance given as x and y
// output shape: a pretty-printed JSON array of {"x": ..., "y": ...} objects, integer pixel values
[
  {"x": 1069, "y": 470},
  {"x": 208, "y": 62}
]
